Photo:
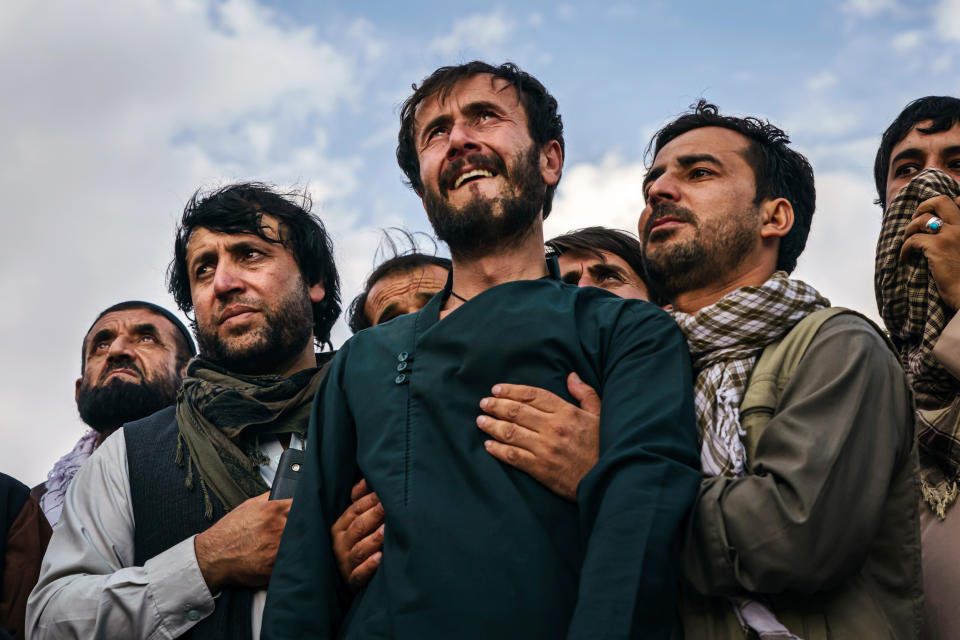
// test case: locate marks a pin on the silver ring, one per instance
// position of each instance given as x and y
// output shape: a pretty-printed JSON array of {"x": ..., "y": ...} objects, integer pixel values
[{"x": 933, "y": 225}]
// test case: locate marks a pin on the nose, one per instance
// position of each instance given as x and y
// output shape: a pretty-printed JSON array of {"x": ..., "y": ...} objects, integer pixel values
[
  {"x": 121, "y": 347},
  {"x": 462, "y": 140},
  {"x": 663, "y": 187},
  {"x": 585, "y": 279},
  {"x": 226, "y": 279}
]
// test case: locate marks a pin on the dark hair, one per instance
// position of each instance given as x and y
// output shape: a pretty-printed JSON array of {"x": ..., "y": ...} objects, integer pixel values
[
  {"x": 943, "y": 111},
  {"x": 185, "y": 348},
  {"x": 779, "y": 171},
  {"x": 405, "y": 256},
  {"x": 593, "y": 240},
  {"x": 237, "y": 209},
  {"x": 543, "y": 121}
]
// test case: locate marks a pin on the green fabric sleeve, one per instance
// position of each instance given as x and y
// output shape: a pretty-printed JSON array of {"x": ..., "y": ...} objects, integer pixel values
[
  {"x": 634, "y": 502},
  {"x": 815, "y": 493}
]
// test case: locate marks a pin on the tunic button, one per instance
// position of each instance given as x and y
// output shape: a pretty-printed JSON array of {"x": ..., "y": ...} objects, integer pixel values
[
  {"x": 401, "y": 366},
  {"x": 400, "y": 379},
  {"x": 402, "y": 357},
  {"x": 193, "y": 615}
]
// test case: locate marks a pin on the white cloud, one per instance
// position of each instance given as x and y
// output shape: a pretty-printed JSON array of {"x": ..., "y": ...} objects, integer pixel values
[
  {"x": 821, "y": 81},
  {"x": 113, "y": 113},
  {"x": 482, "y": 33},
  {"x": 838, "y": 259},
  {"x": 607, "y": 194},
  {"x": 868, "y": 8},
  {"x": 907, "y": 40},
  {"x": 946, "y": 18}
]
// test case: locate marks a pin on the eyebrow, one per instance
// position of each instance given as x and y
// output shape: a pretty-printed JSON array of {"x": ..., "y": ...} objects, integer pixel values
[
  {"x": 99, "y": 336},
  {"x": 907, "y": 154},
  {"x": 146, "y": 328},
  {"x": 684, "y": 161},
  {"x": 470, "y": 109},
  {"x": 386, "y": 313}
]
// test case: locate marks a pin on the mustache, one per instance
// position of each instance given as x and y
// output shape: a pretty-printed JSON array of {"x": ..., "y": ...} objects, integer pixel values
[
  {"x": 123, "y": 362},
  {"x": 449, "y": 175},
  {"x": 668, "y": 210}
]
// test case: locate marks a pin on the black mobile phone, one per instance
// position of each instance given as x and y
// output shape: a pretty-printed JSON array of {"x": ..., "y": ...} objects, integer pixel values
[{"x": 288, "y": 474}]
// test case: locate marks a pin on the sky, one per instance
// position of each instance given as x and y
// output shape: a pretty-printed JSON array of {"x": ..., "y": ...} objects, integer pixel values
[{"x": 113, "y": 113}]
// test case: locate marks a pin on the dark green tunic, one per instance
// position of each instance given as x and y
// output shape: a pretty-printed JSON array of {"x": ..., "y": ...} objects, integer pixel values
[{"x": 475, "y": 548}]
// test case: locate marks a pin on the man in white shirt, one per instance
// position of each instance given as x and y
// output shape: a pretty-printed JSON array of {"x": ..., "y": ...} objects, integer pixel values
[{"x": 181, "y": 538}]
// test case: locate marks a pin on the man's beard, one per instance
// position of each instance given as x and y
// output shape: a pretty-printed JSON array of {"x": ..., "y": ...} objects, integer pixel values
[
  {"x": 476, "y": 228},
  {"x": 117, "y": 402},
  {"x": 716, "y": 249},
  {"x": 284, "y": 332}
]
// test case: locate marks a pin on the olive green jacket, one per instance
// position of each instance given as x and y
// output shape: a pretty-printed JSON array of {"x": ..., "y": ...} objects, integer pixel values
[{"x": 824, "y": 527}]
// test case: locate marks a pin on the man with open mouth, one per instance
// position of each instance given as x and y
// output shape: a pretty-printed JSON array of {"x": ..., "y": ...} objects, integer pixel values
[{"x": 474, "y": 548}]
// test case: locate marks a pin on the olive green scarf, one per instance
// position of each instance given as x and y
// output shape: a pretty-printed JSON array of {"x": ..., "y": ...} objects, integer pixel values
[{"x": 221, "y": 416}]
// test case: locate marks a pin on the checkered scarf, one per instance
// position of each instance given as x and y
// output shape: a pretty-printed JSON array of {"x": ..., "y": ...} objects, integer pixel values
[
  {"x": 725, "y": 340},
  {"x": 914, "y": 314}
]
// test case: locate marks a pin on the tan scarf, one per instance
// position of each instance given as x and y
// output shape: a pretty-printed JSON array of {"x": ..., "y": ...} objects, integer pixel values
[
  {"x": 914, "y": 314},
  {"x": 220, "y": 416}
]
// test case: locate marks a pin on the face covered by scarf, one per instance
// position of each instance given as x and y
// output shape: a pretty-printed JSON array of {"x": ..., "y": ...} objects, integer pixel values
[
  {"x": 221, "y": 415},
  {"x": 914, "y": 314}
]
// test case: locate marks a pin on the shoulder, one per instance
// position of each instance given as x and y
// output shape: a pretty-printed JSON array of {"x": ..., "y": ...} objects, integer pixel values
[{"x": 850, "y": 334}]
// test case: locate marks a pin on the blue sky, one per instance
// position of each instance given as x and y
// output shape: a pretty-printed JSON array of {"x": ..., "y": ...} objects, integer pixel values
[{"x": 114, "y": 112}]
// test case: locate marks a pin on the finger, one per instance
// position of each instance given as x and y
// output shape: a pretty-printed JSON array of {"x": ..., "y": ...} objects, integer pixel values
[
  {"x": 361, "y": 576},
  {"x": 941, "y": 206},
  {"x": 508, "y": 432},
  {"x": 356, "y": 509},
  {"x": 364, "y": 525},
  {"x": 516, "y": 412},
  {"x": 584, "y": 394},
  {"x": 917, "y": 225},
  {"x": 363, "y": 549},
  {"x": 533, "y": 396},
  {"x": 360, "y": 489},
  {"x": 514, "y": 456},
  {"x": 915, "y": 245},
  {"x": 263, "y": 497}
]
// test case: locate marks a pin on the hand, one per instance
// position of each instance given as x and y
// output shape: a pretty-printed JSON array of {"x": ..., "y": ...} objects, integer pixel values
[
  {"x": 241, "y": 547},
  {"x": 942, "y": 250},
  {"x": 358, "y": 537},
  {"x": 544, "y": 435}
]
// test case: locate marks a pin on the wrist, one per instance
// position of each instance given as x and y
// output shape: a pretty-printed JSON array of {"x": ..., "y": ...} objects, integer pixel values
[{"x": 207, "y": 561}]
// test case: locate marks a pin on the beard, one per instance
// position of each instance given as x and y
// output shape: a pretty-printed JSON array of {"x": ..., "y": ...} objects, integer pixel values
[
  {"x": 285, "y": 330},
  {"x": 111, "y": 405},
  {"x": 483, "y": 224},
  {"x": 718, "y": 247}
]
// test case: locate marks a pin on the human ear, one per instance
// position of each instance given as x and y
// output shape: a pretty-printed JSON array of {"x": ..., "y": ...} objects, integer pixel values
[
  {"x": 551, "y": 162},
  {"x": 777, "y": 218},
  {"x": 317, "y": 292}
]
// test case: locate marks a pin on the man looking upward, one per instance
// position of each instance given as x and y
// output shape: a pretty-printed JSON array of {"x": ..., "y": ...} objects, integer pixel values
[
  {"x": 473, "y": 547},
  {"x": 184, "y": 540},
  {"x": 131, "y": 365}
]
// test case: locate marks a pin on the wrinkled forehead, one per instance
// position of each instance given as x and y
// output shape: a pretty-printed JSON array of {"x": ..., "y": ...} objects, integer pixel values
[
  {"x": 927, "y": 141},
  {"x": 715, "y": 141},
  {"x": 395, "y": 287},
  {"x": 205, "y": 238},
  {"x": 481, "y": 87},
  {"x": 117, "y": 321}
]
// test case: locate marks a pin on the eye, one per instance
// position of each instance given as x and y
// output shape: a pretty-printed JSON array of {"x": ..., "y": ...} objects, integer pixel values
[
  {"x": 252, "y": 254},
  {"x": 700, "y": 172},
  {"x": 485, "y": 116},
  {"x": 906, "y": 169},
  {"x": 148, "y": 339},
  {"x": 434, "y": 133},
  {"x": 102, "y": 345},
  {"x": 612, "y": 277},
  {"x": 202, "y": 269}
]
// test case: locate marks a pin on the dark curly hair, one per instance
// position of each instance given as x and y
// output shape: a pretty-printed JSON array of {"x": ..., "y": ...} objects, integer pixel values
[
  {"x": 543, "y": 121},
  {"x": 942, "y": 111},
  {"x": 779, "y": 171},
  {"x": 238, "y": 208}
]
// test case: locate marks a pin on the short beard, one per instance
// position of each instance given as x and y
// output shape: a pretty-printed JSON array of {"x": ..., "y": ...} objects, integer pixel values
[
  {"x": 117, "y": 402},
  {"x": 716, "y": 249},
  {"x": 476, "y": 229},
  {"x": 285, "y": 332}
]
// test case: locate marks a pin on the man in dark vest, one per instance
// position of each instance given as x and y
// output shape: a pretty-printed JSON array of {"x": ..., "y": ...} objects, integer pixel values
[{"x": 181, "y": 538}]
